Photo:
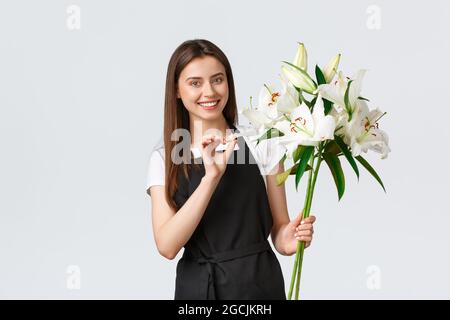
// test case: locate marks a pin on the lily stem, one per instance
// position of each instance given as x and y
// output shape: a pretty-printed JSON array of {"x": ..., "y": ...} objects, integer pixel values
[{"x": 296, "y": 274}]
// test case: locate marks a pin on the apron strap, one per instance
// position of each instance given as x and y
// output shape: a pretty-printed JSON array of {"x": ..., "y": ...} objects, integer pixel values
[{"x": 210, "y": 262}]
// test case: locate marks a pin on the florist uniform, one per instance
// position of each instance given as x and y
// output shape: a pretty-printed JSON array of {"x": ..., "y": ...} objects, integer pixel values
[{"x": 228, "y": 256}]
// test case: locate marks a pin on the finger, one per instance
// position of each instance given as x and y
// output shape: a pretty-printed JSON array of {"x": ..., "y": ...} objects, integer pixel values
[
  {"x": 304, "y": 238},
  {"x": 230, "y": 137},
  {"x": 310, "y": 219},
  {"x": 297, "y": 220},
  {"x": 230, "y": 148},
  {"x": 206, "y": 139},
  {"x": 209, "y": 138},
  {"x": 306, "y": 226},
  {"x": 208, "y": 152},
  {"x": 303, "y": 233},
  {"x": 212, "y": 143}
]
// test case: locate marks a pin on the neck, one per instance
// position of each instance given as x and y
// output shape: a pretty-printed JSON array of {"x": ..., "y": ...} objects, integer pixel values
[{"x": 199, "y": 127}]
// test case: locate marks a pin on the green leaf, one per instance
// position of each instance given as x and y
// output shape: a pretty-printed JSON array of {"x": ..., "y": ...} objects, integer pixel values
[
  {"x": 308, "y": 104},
  {"x": 306, "y": 155},
  {"x": 281, "y": 177},
  {"x": 332, "y": 147},
  {"x": 300, "y": 95},
  {"x": 336, "y": 170},
  {"x": 348, "y": 107},
  {"x": 347, "y": 154},
  {"x": 271, "y": 133},
  {"x": 319, "y": 76},
  {"x": 370, "y": 169},
  {"x": 327, "y": 105},
  {"x": 296, "y": 155},
  {"x": 313, "y": 102}
]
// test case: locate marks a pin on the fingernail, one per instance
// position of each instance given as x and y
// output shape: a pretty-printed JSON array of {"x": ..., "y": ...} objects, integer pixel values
[{"x": 303, "y": 222}]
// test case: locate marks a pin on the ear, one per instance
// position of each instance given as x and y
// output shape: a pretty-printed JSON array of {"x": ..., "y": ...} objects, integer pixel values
[{"x": 178, "y": 94}]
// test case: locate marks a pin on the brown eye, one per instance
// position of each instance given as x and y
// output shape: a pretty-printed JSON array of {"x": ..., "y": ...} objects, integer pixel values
[
  {"x": 218, "y": 80},
  {"x": 195, "y": 83}
]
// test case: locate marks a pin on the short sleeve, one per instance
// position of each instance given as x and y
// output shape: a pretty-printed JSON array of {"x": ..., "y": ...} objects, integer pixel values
[{"x": 155, "y": 170}]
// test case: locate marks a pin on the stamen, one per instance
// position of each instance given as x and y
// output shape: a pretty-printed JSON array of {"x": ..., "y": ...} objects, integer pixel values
[
  {"x": 293, "y": 129},
  {"x": 380, "y": 117},
  {"x": 300, "y": 119},
  {"x": 275, "y": 95}
]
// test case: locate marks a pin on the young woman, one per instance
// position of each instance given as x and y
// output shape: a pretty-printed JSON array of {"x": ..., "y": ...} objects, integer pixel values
[{"x": 221, "y": 211}]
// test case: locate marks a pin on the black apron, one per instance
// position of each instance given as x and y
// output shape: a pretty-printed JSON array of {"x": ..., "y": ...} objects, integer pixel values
[{"x": 228, "y": 256}]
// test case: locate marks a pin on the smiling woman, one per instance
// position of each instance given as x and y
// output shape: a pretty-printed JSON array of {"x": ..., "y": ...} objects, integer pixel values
[
  {"x": 221, "y": 212},
  {"x": 208, "y": 88}
]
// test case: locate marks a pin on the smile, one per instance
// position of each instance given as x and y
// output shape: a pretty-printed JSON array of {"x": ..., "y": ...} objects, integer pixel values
[{"x": 209, "y": 104}]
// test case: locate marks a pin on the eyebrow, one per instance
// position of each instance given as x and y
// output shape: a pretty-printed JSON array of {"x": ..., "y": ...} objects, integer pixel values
[{"x": 214, "y": 75}]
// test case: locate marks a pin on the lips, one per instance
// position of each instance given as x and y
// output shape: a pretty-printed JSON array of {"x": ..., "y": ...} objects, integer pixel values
[{"x": 208, "y": 105}]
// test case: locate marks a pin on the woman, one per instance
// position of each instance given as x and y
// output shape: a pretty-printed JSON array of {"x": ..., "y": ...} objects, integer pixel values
[{"x": 220, "y": 210}]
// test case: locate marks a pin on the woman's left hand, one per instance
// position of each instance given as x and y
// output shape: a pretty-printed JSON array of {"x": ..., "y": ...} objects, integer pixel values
[{"x": 298, "y": 230}]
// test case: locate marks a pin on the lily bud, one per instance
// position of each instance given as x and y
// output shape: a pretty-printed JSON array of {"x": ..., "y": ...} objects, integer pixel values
[
  {"x": 330, "y": 70},
  {"x": 301, "y": 58},
  {"x": 299, "y": 79}
]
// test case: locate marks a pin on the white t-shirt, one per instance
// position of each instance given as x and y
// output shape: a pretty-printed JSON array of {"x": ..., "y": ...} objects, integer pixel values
[{"x": 267, "y": 155}]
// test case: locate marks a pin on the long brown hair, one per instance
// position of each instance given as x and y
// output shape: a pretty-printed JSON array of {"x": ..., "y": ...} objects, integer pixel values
[{"x": 176, "y": 115}]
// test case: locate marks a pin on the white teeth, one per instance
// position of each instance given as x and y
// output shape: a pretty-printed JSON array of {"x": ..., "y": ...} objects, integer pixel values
[{"x": 210, "y": 104}]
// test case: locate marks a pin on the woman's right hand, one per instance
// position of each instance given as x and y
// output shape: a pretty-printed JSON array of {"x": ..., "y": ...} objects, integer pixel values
[{"x": 215, "y": 162}]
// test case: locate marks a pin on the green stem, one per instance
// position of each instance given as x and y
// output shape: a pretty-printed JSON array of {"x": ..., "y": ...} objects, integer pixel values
[
  {"x": 299, "y": 270},
  {"x": 308, "y": 202},
  {"x": 302, "y": 244},
  {"x": 294, "y": 272},
  {"x": 297, "y": 253}
]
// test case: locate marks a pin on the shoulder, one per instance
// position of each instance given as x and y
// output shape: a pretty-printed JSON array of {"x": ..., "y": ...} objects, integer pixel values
[{"x": 157, "y": 155}]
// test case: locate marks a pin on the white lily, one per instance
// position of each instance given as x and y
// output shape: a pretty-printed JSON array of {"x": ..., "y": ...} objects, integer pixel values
[
  {"x": 289, "y": 98},
  {"x": 331, "y": 68},
  {"x": 272, "y": 104},
  {"x": 304, "y": 128},
  {"x": 299, "y": 78},
  {"x": 335, "y": 92},
  {"x": 301, "y": 57},
  {"x": 363, "y": 134},
  {"x": 265, "y": 114}
]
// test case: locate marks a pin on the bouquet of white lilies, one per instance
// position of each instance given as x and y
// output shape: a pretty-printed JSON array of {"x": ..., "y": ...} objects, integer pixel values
[{"x": 317, "y": 120}]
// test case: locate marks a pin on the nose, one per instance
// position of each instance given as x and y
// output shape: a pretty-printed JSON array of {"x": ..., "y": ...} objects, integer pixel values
[{"x": 209, "y": 90}]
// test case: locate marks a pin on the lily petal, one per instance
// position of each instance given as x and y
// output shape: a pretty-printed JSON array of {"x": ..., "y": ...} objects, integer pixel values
[
  {"x": 301, "y": 57},
  {"x": 356, "y": 86},
  {"x": 330, "y": 70},
  {"x": 299, "y": 79},
  {"x": 256, "y": 117},
  {"x": 325, "y": 129},
  {"x": 303, "y": 120}
]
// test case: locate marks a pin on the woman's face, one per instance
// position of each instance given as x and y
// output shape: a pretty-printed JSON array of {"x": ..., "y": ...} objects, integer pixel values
[{"x": 203, "y": 88}]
